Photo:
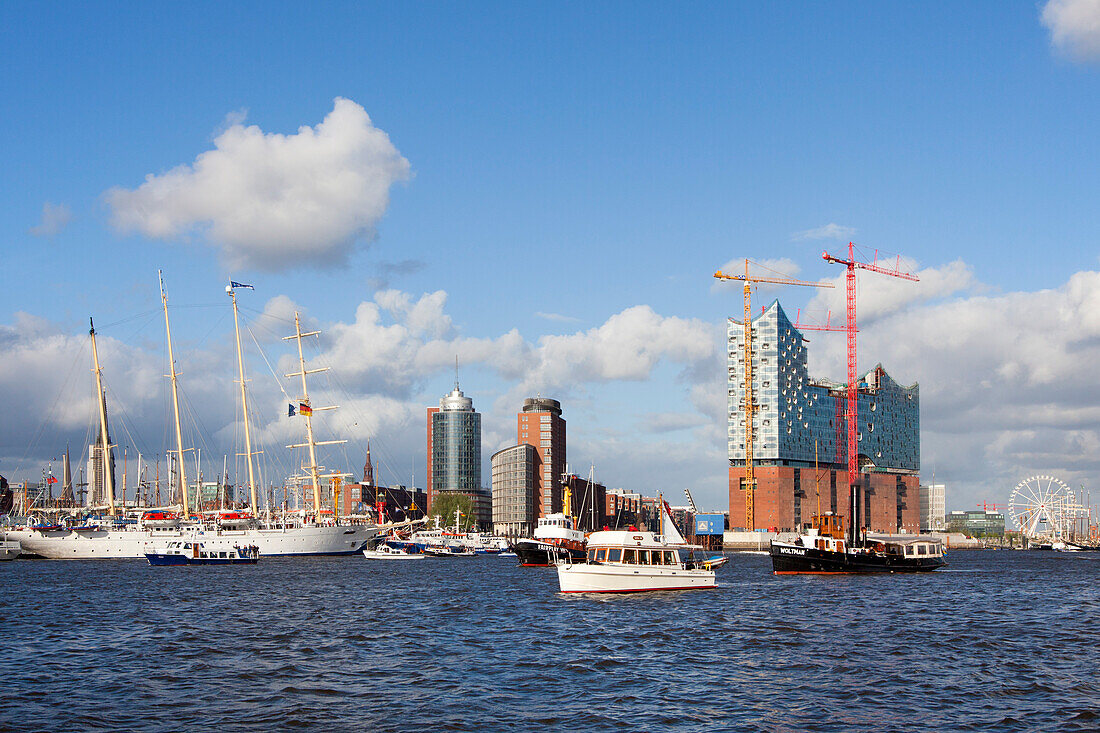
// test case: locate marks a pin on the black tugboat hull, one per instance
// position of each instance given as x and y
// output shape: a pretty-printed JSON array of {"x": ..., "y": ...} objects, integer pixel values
[
  {"x": 788, "y": 559},
  {"x": 544, "y": 554}
]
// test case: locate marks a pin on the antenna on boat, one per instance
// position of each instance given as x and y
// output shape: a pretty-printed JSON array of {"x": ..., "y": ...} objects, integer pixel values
[{"x": 175, "y": 403}]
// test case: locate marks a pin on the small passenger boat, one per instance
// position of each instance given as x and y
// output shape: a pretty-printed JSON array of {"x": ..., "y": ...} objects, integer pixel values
[
  {"x": 199, "y": 553},
  {"x": 824, "y": 549},
  {"x": 385, "y": 551},
  {"x": 630, "y": 561}
]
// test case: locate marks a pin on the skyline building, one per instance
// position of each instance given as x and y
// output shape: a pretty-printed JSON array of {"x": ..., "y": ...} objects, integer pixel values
[
  {"x": 97, "y": 480},
  {"x": 800, "y": 436},
  {"x": 541, "y": 425},
  {"x": 454, "y": 446},
  {"x": 515, "y": 490},
  {"x": 933, "y": 508}
]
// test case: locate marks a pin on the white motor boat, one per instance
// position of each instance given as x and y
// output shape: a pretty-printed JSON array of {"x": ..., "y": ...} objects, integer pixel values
[
  {"x": 625, "y": 561},
  {"x": 386, "y": 552},
  {"x": 632, "y": 560}
]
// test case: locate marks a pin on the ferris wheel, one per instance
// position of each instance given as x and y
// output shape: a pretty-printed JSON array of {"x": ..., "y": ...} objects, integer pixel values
[{"x": 1042, "y": 506}]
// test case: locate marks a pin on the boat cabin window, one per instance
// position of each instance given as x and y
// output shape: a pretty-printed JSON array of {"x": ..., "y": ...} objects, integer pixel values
[
  {"x": 601, "y": 554},
  {"x": 670, "y": 558},
  {"x": 187, "y": 546},
  {"x": 908, "y": 549},
  {"x": 922, "y": 549},
  {"x": 630, "y": 557},
  {"x": 591, "y": 556},
  {"x": 614, "y": 555}
]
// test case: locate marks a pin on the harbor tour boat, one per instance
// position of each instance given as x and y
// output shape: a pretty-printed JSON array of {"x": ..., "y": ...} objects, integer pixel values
[
  {"x": 631, "y": 561},
  {"x": 201, "y": 553},
  {"x": 825, "y": 548},
  {"x": 386, "y": 551}
]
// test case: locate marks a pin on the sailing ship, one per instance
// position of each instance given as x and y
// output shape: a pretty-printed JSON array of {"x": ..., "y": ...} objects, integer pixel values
[{"x": 316, "y": 532}]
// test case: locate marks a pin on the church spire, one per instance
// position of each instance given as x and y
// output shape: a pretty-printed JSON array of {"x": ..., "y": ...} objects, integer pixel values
[{"x": 368, "y": 468}]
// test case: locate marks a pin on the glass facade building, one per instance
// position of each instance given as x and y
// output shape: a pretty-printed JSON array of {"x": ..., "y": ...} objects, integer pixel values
[
  {"x": 455, "y": 458},
  {"x": 979, "y": 523},
  {"x": 794, "y": 412}
]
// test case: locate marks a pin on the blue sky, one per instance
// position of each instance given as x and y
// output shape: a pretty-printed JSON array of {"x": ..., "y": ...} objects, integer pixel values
[{"x": 575, "y": 161}]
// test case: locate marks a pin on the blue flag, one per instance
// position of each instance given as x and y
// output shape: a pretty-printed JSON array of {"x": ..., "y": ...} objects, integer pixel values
[
  {"x": 290, "y": 410},
  {"x": 234, "y": 284}
]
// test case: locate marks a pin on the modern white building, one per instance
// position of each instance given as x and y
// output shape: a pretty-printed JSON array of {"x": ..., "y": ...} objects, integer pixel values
[{"x": 933, "y": 508}]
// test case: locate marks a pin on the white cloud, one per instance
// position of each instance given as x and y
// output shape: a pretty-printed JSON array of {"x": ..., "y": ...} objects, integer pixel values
[
  {"x": 826, "y": 231},
  {"x": 880, "y": 295},
  {"x": 626, "y": 347},
  {"x": 558, "y": 317},
  {"x": 1074, "y": 27},
  {"x": 55, "y": 217},
  {"x": 270, "y": 201}
]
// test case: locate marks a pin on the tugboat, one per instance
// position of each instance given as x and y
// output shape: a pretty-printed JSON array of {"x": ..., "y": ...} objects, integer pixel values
[
  {"x": 555, "y": 538},
  {"x": 825, "y": 548}
]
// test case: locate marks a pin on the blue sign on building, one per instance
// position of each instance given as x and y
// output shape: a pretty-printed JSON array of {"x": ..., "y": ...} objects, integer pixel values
[{"x": 710, "y": 524}]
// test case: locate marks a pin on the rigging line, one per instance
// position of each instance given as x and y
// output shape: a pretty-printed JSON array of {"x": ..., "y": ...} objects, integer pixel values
[
  {"x": 63, "y": 392},
  {"x": 269, "y": 367},
  {"x": 128, "y": 319}
]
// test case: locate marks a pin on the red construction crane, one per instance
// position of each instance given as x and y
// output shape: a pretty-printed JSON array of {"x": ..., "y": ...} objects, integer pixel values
[
  {"x": 851, "y": 414},
  {"x": 989, "y": 507}
]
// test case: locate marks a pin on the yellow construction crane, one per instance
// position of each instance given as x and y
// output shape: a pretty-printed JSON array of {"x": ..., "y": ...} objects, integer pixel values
[{"x": 748, "y": 483}]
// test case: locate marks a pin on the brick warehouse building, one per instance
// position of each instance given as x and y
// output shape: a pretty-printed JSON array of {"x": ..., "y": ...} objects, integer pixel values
[{"x": 800, "y": 420}]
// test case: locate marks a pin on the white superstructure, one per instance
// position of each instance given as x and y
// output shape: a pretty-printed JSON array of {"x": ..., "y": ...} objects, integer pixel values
[
  {"x": 58, "y": 544},
  {"x": 631, "y": 561}
]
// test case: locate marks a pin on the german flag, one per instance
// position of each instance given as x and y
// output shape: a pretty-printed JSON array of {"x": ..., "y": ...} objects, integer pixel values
[{"x": 304, "y": 409}]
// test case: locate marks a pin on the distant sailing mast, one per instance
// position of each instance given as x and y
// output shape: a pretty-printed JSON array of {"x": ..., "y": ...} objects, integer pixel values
[
  {"x": 244, "y": 398},
  {"x": 175, "y": 404},
  {"x": 104, "y": 440},
  {"x": 307, "y": 410}
]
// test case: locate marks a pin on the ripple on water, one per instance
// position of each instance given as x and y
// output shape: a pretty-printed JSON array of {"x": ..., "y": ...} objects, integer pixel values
[{"x": 997, "y": 641}]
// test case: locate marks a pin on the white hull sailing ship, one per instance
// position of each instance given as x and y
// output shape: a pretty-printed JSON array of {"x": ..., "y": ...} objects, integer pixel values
[{"x": 303, "y": 533}]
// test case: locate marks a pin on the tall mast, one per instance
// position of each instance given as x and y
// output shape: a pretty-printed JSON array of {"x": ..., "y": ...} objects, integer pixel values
[
  {"x": 104, "y": 441},
  {"x": 312, "y": 444},
  {"x": 175, "y": 403},
  {"x": 244, "y": 405}
]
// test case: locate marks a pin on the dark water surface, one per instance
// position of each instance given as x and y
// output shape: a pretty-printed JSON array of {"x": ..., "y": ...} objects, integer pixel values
[{"x": 999, "y": 640}]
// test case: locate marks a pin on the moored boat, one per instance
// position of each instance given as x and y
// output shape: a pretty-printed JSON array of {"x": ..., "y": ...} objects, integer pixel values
[{"x": 9, "y": 549}]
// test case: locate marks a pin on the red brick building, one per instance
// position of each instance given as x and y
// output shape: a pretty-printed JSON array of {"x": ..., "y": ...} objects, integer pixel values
[{"x": 787, "y": 497}]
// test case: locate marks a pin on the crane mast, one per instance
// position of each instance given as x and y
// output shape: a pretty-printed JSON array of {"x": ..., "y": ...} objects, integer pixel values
[
  {"x": 851, "y": 411},
  {"x": 748, "y": 483}
]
